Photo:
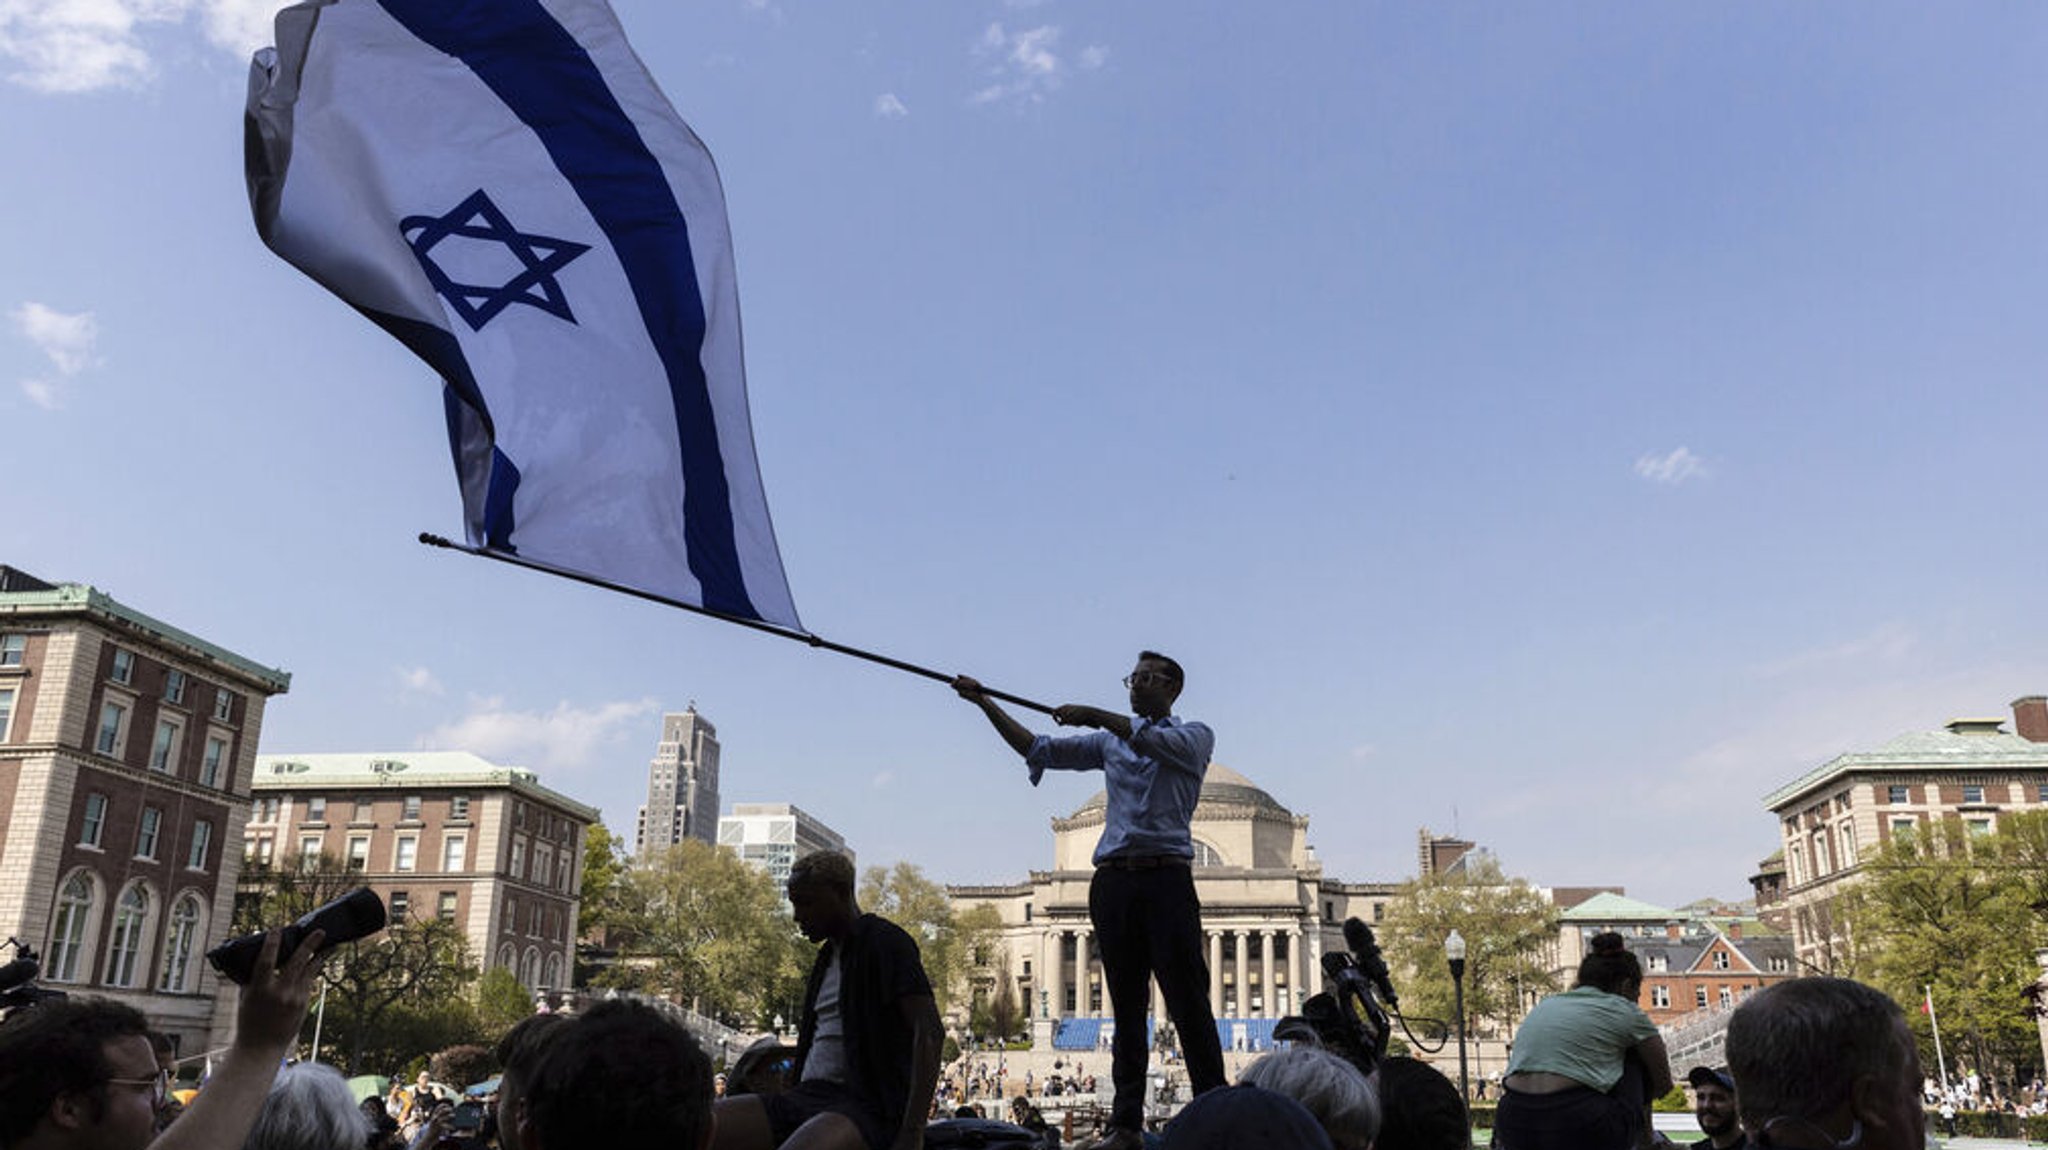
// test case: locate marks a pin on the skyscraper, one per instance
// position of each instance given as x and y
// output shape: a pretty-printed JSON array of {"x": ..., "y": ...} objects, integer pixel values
[{"x": 682, "y": 785}]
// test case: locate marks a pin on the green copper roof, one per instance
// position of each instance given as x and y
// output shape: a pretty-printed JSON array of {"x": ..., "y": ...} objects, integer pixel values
[
  {"x": 402, "y": 770},
  {"x": 1926, "y": 751},
  {"x": 1610, "y": 907},
  {"x": 79, "y": 599}
]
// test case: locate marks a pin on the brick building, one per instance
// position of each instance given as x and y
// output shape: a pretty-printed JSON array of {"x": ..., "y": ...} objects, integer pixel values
[
  {"x": 1972, "y": 770},
  {"x": 126, "y": 750},
  {"x": 441, "y": 833}
]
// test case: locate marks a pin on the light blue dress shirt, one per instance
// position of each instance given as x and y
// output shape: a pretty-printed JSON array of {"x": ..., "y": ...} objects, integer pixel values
[{"x": 1153, "y": 782}]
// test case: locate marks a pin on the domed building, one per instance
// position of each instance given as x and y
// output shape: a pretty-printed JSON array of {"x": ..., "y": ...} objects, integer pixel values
[{"x": 1267, "y": 909}]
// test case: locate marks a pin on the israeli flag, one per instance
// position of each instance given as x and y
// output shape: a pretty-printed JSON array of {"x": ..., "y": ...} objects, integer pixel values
[{"x": 500, "y": 185}]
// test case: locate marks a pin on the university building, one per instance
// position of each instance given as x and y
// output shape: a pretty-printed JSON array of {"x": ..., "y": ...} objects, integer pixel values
[
  {"x": 1268, "y": 911},
  {"x": 1972, "y": 770},
  {"x": 446, "y": 834},
  {"x": 126, "y": 751}
]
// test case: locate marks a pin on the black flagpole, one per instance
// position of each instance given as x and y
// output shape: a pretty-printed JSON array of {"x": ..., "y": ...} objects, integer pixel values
[{"x": 804, "y": 637}]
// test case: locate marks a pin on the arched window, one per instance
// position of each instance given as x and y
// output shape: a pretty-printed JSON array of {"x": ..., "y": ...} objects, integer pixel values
[
  {"x": 1206, "y": 855},
  {"x": 178, "y": 941},
  {"x": 508, "y": 958},
  {"x": 125, "y": 944},
  {"x": 529, "y": 969},
  {"x": 551, "y": 972},
  {"x": 69, "y": 929}
]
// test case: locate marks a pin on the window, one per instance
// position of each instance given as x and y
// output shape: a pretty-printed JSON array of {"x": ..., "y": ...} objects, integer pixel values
[
  {"x": 6, "y": 710},
  {"x": 94, "y": 824},
  {"x": 519, "y": 815},
  {"x": 263, "y": 849},
  {"x": 224, "y": 705},
  {"x": 458, "y": 807},
  {"x": 113, "y": 723},
  {"x": 533, "y": 920},
  {"x": 1979, "y": 828},
  {"x": 125, "y": 944},
  {"x": 146, "y": 832},
  {"x": 452, "y": 847},
  {"x": 202, "y": 838},
  {"x": 445, "y": 911},
  {"x": 1902, "y": 827},
  {"x": 174, "y": 686},
  {"x": 412, "y": 808},
  {"x": 1720, "y": 960},
  {"x": 518, "y": 857},
  {"x": 1660, "y": 962},
  {"x": 364, "y": 810},
  {"x": 406, "y": 856},
  {"x": 309, "y": 851},
  {"x": 163, "y": 750},
  {"x": 562, "y": 882},
  {"x": 1849, "y": 844},
  {"x": 67, "y": 934},
  {"x": 209, "y": 765},
  {"x": 1699, "y": 997},
  {"x": 359, "y": 852},
  {"x": 1779, "y": 964},
  {"x": 1660, "y": 997},
  {"x": 2041, "y": 793},
  {"x": 124, "y": 666},
  {"x": 316, "y": 809},
  {"x": 1973, "y": 794},
  {"x": 13, "y": 650},
  {"x": 178, "y": 940},
  {"x": 1896, "y": 795},
  {"x": 1727, "y": 997},
  {"x": 264, "y": 810},
  {"x": 400, "y": 904}
]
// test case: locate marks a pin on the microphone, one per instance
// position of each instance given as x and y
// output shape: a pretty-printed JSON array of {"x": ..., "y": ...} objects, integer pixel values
[
  {"x": 1358, "y": 937},
  {"x": 352, "y": 916}
]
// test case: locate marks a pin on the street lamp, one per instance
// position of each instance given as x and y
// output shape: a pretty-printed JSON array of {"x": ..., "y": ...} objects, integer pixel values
[{"x": 1454, "y": 950}]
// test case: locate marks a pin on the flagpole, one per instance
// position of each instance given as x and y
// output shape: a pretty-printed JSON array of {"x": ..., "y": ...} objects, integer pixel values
[
  {"x": 804, "y": 637},
  {"x": 1935, "y": 1025}
]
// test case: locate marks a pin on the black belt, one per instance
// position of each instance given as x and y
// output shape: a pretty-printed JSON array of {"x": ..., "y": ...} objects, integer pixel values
[{"x": 1142, "y": 862}]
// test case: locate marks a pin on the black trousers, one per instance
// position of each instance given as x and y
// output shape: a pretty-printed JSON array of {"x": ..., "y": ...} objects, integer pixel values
[{"x": 1148, "y": 924}]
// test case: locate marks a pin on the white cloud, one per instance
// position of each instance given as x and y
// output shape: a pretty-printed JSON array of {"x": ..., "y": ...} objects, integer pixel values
[
  {"x": 1025, "y": 66},
  {"x": 68, "y": 340},
  {"x": 882, "y": 779},
  {"x": 1094, "y": 56},
  {"x": 1673, "y": 468},
  {"x": 567, "y": 737},
  {"x": 889, "y": 107},
  {"x": 64, "y": 46},
  {"x": 420, "y": 680}
]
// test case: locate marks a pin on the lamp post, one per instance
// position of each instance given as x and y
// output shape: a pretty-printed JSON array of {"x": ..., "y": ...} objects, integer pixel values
[{"x": 1454, "y": 950}]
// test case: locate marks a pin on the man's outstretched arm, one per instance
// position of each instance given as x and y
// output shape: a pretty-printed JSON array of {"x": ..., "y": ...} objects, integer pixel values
[{"x": 1012, "y": 731}]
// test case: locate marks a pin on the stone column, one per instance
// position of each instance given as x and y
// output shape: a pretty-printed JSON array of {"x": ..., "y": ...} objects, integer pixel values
[
  {"x": 1266, "y": 975},
  {"x": 1084, "y": 967},
  {"x": 1216, "y": 973},
  {"x": 1244, "y": 998},
  {"x": 1055, "y": 1000}
]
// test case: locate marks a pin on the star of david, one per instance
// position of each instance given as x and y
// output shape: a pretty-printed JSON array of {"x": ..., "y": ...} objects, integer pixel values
[{"x": 478, "y": 219}]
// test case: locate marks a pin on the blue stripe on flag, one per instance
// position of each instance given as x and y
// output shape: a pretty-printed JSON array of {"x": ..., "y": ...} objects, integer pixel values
[
  {"x": 460, "y": 400},
  {"x": 547, "y": 80}
]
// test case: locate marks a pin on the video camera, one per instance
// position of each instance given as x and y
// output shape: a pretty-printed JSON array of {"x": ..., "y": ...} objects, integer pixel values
[
  {"x": 1351, "y": 1017},
  {"x": 18, "y": 980}
]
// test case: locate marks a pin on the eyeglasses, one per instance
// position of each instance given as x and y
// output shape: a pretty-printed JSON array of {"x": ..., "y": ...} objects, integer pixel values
[
  {"x": 1148, "y": 679},
  {"x": 159, "y": 1085}
]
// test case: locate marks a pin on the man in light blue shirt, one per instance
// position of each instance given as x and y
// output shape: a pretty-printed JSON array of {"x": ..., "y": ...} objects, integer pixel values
[{"x": 1142, "y": 902}]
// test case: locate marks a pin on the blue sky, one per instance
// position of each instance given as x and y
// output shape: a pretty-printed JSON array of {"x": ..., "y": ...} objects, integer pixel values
[{"x": 1560, "y": 423}]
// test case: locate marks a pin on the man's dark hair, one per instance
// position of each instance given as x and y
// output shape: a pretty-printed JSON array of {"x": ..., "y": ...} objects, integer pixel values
[
  {"x": 1419, "y": 1109},
  {"x": 57, "y": 1048},
  {"x": 1797, "y": 1048},
  {"x": 827, "y": 870},
  {"x": 520, "y": 1050},
  {"x": 622, "y": 1074},
  {"x": 1173, "y": 670}
]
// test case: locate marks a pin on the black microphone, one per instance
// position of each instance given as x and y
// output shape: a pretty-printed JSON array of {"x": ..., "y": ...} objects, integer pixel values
[
  {"x": 1358, "y": 937},
  {"x": 1336, "y": 963},
  {"x": 352, "y": 916},
  {"x": 17, "y": 972}
]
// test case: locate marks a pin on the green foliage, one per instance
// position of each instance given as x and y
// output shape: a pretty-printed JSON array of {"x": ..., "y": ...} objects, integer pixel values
[
  {"x": 1962, "y": 915},
  {"x": 948, "y": 945},
  {"x": 1507, "y": 927},
  {"x": 501, "y": 1001},
  {"x": 461, "y": 1066},
  {"x": 1674, "y": 1101},
  {"x": 697, "y": 924},
  {"x": 604, "y": 865}
]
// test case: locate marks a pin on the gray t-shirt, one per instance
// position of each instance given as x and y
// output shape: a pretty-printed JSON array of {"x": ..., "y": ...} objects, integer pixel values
[{"x": 827, "y": 1059}]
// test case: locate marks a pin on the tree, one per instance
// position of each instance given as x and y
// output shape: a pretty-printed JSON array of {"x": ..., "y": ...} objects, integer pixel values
[
  {"x": 604, "y": 866},
  {"x": 502, "y": 1001},
  {"x": 1946, "y": 911},
  {"x": 701, "y": 926},
  {"x": 1508, "y": 930},
  {"x": 271, "y": 896},
  {"x": 948, "y": 945},
  {"x": 416, "y": 965}
]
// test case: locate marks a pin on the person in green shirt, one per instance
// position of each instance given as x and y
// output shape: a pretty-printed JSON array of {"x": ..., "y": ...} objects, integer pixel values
[{"x": 1570, "y": 1081}]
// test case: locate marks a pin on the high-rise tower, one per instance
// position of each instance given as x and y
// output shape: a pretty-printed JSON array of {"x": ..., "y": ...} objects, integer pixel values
[{"x": 682, "y": 785}]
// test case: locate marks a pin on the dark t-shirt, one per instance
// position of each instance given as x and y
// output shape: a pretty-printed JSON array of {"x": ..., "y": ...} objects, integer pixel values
[{"x": 880, "y": 969}]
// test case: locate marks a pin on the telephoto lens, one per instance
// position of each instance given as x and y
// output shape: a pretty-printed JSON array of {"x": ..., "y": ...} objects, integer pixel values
[{"x": 352, "y": 916}]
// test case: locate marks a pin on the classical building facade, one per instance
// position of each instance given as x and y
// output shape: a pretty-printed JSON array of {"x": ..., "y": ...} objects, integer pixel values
[
  {"x": 772, "y": 836},
  {"x": 1267, "y": 908},
  {"x": 682, "y": 785},
  {"x": 126, "y": 751},
  {"x": 1972, "y": 770},
  {"x": 436, "y": 833}
]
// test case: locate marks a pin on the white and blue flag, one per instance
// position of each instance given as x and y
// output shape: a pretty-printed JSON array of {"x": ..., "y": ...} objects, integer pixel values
[{"x": 500, "y": 185}]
